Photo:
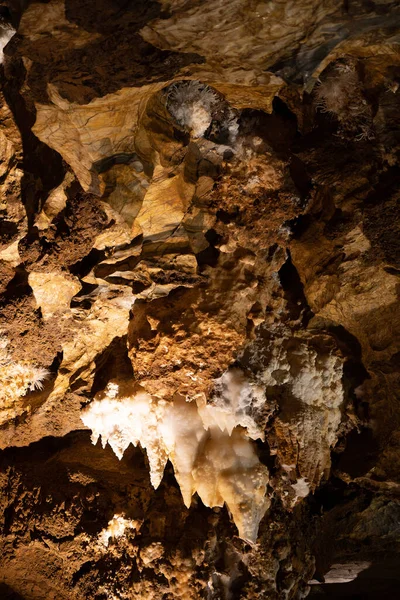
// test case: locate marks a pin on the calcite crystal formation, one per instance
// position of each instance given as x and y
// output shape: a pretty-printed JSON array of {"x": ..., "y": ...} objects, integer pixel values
[
  {"x": 199, "y": 317},
  {"x": 209, "y": 452}
]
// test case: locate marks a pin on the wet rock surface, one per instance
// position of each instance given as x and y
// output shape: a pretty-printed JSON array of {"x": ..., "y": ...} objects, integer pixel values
[{"x": 199, "y": 249}]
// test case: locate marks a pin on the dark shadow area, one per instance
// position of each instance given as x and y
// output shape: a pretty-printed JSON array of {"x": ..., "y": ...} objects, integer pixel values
[
  {"x": 354, "y": 371},
  {"x": 277, "y": 130},
  {"x": 17, "y": 288},
  {"x": 294, "y": 292},
  {"x": 38, "y": 178},
  {"x": 360, "y": 453},
  {"x": 112, "y": 363},
  {"x": 209, "y": 256},
  {"x": 331, "y": 494},
  {"x": 85, "y": 265},
  {"x": 7, "y": 593}
]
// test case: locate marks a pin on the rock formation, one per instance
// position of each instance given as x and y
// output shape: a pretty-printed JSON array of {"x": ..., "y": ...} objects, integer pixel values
[{"x": 199, "y": 323}]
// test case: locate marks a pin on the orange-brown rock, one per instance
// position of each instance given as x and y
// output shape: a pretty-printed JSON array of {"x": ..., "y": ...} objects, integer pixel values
[{"x": 199, "y": 261}]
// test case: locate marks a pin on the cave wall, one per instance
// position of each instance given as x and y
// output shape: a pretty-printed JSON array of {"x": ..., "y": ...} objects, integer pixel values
[{"x": 199, "y": 324}]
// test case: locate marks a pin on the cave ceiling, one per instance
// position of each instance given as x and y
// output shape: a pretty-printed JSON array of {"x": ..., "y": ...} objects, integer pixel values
[{"x": 199, "y": 317}]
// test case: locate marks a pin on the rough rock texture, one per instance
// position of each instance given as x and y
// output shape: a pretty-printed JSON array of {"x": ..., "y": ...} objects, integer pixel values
[{"x": 199, "y": 261}]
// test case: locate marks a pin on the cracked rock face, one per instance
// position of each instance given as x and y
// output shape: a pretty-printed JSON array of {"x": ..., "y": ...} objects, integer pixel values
[{"x": 199, "y": 322}]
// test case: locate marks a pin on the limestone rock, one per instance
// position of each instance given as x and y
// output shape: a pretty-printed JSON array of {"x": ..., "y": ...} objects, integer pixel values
[{"x": 199, "y": 261}]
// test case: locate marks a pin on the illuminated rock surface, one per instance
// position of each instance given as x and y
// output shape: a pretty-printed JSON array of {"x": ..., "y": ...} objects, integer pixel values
[
  {"x": 199, "y": 322},
  {"x": 215, "y": 460}
]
